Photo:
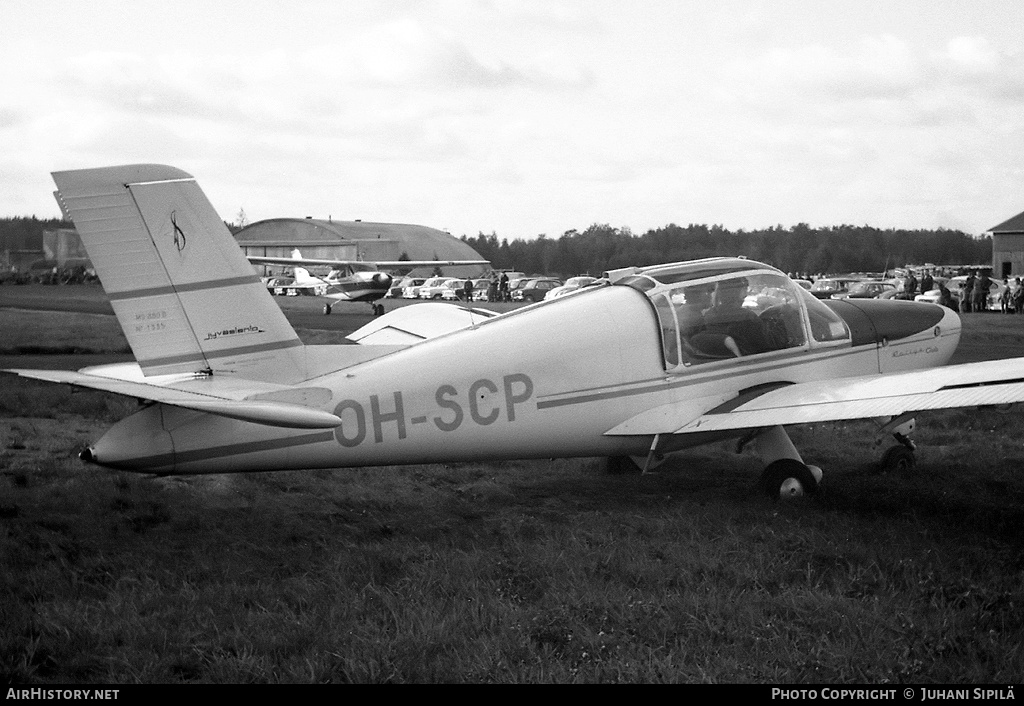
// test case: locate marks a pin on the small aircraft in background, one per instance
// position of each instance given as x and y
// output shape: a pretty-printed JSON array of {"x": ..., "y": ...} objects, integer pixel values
[
  {"x": 349, "y": 280},
  {"x": 649, "y": 361}
]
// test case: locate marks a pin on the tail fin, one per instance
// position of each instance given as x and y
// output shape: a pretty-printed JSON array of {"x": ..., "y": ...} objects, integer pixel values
[
  {"x": 302, "y": 276},
  {"x": 183, "y": 292}
]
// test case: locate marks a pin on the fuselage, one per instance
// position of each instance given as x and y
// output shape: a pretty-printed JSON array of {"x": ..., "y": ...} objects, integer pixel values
[
  {"x": 549, "y": 380},
  {"x": 357, "y": 286}
]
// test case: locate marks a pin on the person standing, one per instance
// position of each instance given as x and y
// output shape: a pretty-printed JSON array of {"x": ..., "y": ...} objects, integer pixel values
[
  {"x": 910, "y": 286},
  {"x": 492, "y": 288},
  {"x": 980, "y": 294},
  {"x": 945, "y": 298},
  {"x": 927, "y": 282},
  {"x": 967, "y": 294}
]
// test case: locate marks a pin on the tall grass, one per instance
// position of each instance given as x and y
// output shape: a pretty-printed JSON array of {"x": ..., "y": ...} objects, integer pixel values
[
  {"x": 514, "y": 572},
  {"x": 544, "y": 571}
]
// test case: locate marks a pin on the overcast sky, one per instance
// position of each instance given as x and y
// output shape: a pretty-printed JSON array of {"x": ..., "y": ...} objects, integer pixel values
[{"x": 524, "y": 117}]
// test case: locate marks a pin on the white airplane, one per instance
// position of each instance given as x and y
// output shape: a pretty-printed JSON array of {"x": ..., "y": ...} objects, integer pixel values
[
  {"x": 349, "y": 280},
  {"x": 654, "y": 360}
]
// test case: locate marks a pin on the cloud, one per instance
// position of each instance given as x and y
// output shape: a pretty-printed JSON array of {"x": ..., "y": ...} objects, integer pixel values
[
  {"x": 972, "y": 55},
  {"x": 876, "y": 67}
]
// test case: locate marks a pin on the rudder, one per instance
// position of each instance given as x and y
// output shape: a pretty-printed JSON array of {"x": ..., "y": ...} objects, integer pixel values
[{"x": 181, "y": 288}]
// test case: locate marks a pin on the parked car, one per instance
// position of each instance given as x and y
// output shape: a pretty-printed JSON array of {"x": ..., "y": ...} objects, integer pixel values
[
  {"x": 433, "y": 287},
  {"x": 456, "y": 289},
  {"x": 517, "y": 284},
  {"x": 482, "y": 290},
  {"x": 453, "y": 290},
  {"x": 825, "y": 287},
  {"x": 571, "y": 285},
  {"x": 535, "y": 289},
  {"x": 865, "y": 290},
  {"x": 412, "y": 291},
  {"x": 395, "y": 292}
]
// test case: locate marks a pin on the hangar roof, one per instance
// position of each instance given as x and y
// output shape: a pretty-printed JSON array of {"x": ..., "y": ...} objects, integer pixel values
[
  {"x": 1014, "y": 225},
  {"x": 375, "y": 241}
]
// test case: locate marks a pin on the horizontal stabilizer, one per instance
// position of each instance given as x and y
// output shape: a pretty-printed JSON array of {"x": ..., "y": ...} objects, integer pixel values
[{"x": 264, "y": 407}]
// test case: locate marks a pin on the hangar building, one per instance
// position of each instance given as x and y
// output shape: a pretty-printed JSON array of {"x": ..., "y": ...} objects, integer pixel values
[
  {"x": 356, "y": 240},
  {"x": 1008, "y": 247}
]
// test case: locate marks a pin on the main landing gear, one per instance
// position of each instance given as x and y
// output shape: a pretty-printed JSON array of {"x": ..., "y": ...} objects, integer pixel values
[{"x": 785, "y": 476}]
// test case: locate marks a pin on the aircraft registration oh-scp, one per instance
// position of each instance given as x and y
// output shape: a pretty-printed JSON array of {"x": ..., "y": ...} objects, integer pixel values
[
  {"x": 643, "y": 363},
  {"x": 483, "y": 403}
]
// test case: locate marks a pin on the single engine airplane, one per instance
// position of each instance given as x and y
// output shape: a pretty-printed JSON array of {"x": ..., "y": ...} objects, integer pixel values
[
  {"x": 650, "y": 361},
  {"x": 349, "y": 280}
]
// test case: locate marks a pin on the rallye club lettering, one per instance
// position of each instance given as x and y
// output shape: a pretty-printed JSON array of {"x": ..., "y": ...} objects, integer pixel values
[{"x": 484, "y": 399}]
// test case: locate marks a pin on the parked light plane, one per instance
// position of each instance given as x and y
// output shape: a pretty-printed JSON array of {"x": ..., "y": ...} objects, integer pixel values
[
  {"x": 350, "y": 280},
  {"x": 654, "y": 360}
]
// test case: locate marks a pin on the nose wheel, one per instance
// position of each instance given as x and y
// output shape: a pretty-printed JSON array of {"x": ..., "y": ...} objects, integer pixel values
[
  {"x": 327, "y": 309},
  {"x": 899, "y": 458}
]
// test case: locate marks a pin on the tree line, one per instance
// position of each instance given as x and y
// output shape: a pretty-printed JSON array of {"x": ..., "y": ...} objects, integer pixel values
[
  {"x": 601, "y": 247},
  {"x": 800, "y": 248},
  {"x": 26, "y": 232}
]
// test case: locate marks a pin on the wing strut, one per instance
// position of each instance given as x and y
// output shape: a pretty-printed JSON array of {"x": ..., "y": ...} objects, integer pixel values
[{"x": 652, "y": 454}]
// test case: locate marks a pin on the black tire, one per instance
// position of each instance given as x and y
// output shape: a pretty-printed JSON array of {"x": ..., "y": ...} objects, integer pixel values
[
  {"x": 327, "y": 309},
  {"x": 622, "y": 466},
  {"x": 898, "y": 459},
  {"x": 787, "y": 479}
]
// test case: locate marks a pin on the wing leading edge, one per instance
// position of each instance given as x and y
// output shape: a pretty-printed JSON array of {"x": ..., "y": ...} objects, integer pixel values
[
  {"x": 261, "y": 259},
  {"x": 988, "y": 383}
]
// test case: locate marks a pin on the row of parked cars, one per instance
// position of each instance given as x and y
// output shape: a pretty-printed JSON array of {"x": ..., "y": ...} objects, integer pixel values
[
  {"x": 861, "y": 288},
  {"x": 520, "y": 289}
]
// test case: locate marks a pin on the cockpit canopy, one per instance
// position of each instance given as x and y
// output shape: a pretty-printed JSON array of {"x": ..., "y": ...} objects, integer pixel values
[{"x": 726, "y": 308}]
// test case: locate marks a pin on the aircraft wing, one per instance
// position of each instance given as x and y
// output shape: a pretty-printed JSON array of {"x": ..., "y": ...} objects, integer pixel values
[
  {"x": 252, "y": 401},
  {"x": 418, "y": 322},
  {"x": 260, "y": 259},
  {"x": 988, "y": 383}
]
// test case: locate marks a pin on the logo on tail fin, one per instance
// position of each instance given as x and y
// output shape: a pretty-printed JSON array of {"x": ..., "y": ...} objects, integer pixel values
[{"x": 179, "y": 234}]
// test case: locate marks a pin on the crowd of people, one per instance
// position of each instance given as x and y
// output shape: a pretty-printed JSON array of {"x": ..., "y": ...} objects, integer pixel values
[
  {"x": 54, "y": 275},
  {"x": 973, "y": 296},
  {"x": 1011, "y": 300}
]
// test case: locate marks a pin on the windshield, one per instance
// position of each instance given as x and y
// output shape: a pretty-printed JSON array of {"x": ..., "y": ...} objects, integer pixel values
[{"x": 737, "y": 315}]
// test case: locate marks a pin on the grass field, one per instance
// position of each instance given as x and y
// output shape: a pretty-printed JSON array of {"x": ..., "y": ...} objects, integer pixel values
[{"x": 515, "y": 572}]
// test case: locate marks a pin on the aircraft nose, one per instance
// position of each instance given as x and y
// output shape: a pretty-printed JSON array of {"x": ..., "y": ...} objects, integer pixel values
[
  {"x": 382, "y": 278},
  {"x": 886, "y": 321},
  {"x": 906, "y": 319}
]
